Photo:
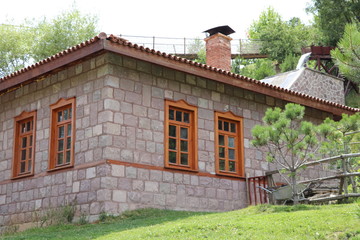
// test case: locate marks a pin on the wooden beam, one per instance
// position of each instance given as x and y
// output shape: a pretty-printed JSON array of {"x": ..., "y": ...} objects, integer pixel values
[
  {"x": 331, "y": 177},
  {"x": 338, "y": 197}
]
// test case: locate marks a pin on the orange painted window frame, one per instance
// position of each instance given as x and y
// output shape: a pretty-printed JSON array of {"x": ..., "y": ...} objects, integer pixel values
[
  {"x": 238, "y": 144},
  {"x": 22, "y": 122},
  {"x": 61, "y": 106},
  {"x": 191, "y": 127}
]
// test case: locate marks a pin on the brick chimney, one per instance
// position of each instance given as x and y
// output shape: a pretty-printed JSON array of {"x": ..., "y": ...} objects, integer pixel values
[{"x": 218, "y": 47}]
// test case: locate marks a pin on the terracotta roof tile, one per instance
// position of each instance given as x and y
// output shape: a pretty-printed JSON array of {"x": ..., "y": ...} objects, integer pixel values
[{"x": 126, "y": 43}]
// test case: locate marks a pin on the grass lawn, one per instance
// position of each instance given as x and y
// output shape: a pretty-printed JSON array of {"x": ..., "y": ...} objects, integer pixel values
[{"x": 260, "y": 222}]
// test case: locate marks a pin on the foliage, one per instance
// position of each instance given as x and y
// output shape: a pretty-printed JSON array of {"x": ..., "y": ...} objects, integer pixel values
[
  {"x": 332, "y": 16},
  {"x": 274, "y": 222},
  {"x": 35, "y": 40},
  {"x": 290, "y": 142},
  {"x": 281, "y": 38},
  {"x": 347, "y": 55},
  {"x": 254, "y": 68},
  {"x": 289, "y": 63},
  {"x": 352, "y": 99},
  {"x": 55, "y": 216},
  {"x": 198, "y": 47}
]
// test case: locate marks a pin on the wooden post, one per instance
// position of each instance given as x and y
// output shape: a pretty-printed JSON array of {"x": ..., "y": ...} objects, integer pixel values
[{"x": 247, "y": 189}]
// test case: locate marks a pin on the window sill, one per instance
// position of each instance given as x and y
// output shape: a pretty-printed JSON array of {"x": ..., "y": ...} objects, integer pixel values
[
  {"x": 22, "y": 176},
  {"x": 185, "y": 169},
  {"x": 60, "y": 167},
  {"x": 234, "y": 175}
]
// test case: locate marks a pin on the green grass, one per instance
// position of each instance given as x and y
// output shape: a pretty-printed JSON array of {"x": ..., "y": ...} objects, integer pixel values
[{"x": 260, "y": 222}]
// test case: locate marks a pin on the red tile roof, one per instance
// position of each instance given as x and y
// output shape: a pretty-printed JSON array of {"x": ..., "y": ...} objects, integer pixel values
[{"x": 171, "y": 61}]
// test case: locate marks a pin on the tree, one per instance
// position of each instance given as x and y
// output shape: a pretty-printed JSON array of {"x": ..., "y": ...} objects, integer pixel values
[
  {"x": 35, "y": 40},
  {"x": 332, "y": 16},
  {"x": 254, "y": 68},
  {"x": 290, "y": 141},
  {"x": 198, "y": 47},
  {"x": 280, "y": 38}
]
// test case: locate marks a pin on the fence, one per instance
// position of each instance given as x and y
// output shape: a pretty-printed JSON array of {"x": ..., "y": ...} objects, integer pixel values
[
  {"x": 183, "y": 46},
  {"x": 255, "y": 194}
]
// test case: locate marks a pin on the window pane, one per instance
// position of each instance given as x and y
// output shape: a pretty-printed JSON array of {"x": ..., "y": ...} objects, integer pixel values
[
  {"x": 184, "y": 159},
  {"x": 220, "y": 123},
  {"x": 233, "y": 127},
  {"x": 68, "y": 156},
  {"x": 68, "y": 143},
  {"x": 66, "y": 114},
  {"x": 222, "y": 165},
  {"x": 172, "y": 143},
  {"x": 70, "y": 113},
  {"x": 178, "y": 116},
  {"x": 23, "y": 145},
  {"x": 60, "y": 158},
  {"x": 172, "y": 157},
  {"x": 28, "y": 126},
  {"x": 29, "y": 166},
  {"x": 221, "y": 152},
  {"x": 31, "y": 140},
  {"x": 187, "y": 117},
  {"x": 60, "y": 117},
  {"x": 30, "y": 152},
  {"x": 172, "y": 131},
  {"x": 221, "y": 140},
  {"x": 184, "y": 133},
  {"x": 232, "y": 154},
  {"x": 232, "y": 166},
  {"x": 226, "y": 126},
  {"x": 23, "y": 154},
  {"x": 61, "y": 145},
  {"x": 184, "y": 146},
  {"x": 22, "y": 167},
  {"x": 69, "y": 130},
  {"x": 231, "y": 142},
  {"x": 171, "y": 114},
  {"x": 23, "y": 128},
  {"x": 61, "y": 132}
]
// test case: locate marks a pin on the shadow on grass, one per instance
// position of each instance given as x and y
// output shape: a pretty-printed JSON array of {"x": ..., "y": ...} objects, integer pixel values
[{"x": 127, "y": 221}]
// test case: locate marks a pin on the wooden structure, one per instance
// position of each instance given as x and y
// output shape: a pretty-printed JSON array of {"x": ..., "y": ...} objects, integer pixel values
[
  {"x": 322, "y": 56},
  {"x": 255, "y": 194}
]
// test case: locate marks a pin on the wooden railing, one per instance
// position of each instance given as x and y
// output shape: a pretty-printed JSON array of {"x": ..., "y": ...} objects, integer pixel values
[{"x": 255, "y": 194}]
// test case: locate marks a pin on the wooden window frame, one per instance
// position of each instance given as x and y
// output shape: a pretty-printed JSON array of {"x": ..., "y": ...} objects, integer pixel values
[
  {"x": 18, "y": 121},
  {"x": 60, "y": 105},
  {"x": 192, "y": 133},
  {"x": 239, "y": 144}
]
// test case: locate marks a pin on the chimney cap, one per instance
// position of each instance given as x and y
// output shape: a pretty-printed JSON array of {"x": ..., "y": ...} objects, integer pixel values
[{"x": 226, "y": 30}]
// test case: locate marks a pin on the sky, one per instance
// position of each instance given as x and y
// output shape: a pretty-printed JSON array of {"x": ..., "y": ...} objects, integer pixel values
[{"x": 161, "y": 18}]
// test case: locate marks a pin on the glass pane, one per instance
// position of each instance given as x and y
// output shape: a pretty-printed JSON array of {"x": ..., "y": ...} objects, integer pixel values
[
  {"x": 31, "y": 140},
  {"x": 222, "y": 165},
  {"x": 61, "y": 132},
  {"x": 232, "y": 154},
  {"x": 232, "y": 166},
  {"x": 184, "y": 159},
  {"x": 233, "y": 127},
  {"x": 172, "y": 157},
  {"x": 61, "y": 145},
  {"x": 221, "y": 140},
  {"x": 226, "y": 126},
  {"x": 178, "y": 116},
  {"x": 68, "y": 156},
  {"x": 220, "y": 125},
  {"x": 187, "y": 117},
  {"x": 221, "y": 152},
  {"x": 22, "y": 167},
  {"x": 69, "y": 130},
  {"x": 231, "y": 142},
  {"x": 29, "y": 166},
  {"x": 70, "y": 113},
  {"x": 66, "y": 114},
  {"x": 172, "y": 131},
  {"x": 184, "y": 146},
  {"x": 30, "y": 152},
  {"x": 23, "y": 154},
  {"x": 171, "y": 114},
  {"x": 28, "y": 126},
  {"x": 23, "y": 140},
  {"x": 60, "y": 118},
  {"x": 184, "y": 133},
  {"x": 60, "y": 158},
  {"x": 172, "y": 143},
  {"x": 68, "y": 143},
  {"x": 23, "y": 128}
]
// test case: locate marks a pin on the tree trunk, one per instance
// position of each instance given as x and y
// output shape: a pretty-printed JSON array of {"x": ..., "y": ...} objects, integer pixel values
[{"x": 294, "y": 188}]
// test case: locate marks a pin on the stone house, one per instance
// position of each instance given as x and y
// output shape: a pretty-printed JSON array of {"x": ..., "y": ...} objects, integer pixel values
[{"x": 114, "y": 126}]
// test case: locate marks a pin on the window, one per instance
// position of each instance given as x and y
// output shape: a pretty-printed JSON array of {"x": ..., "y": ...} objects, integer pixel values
[
  {"x": 62, "y": 135},
  {"x": 229, "y": 144},
  {"x": 24, "y": 144},
  {"x": 180, "y": 135}
]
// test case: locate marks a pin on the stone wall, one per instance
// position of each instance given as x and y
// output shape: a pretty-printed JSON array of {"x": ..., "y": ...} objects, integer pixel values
[
  {"x": 321, "y": 85},
  {"x": 119, "y": 151}
]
